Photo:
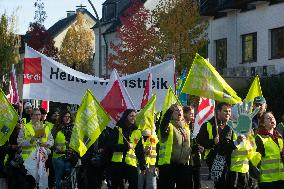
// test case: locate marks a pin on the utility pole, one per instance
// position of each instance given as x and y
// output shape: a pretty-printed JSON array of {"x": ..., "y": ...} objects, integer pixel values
[{"x": 100, "y": 39}]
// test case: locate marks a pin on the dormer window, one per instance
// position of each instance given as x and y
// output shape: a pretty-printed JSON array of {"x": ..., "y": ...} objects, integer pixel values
[{"x": 109, "y": 12}]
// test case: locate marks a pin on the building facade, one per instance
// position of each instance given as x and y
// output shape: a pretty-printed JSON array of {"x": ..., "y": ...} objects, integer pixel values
[
  {"x": 245, "y": 37},
  {"x": 111, "y": 12}
]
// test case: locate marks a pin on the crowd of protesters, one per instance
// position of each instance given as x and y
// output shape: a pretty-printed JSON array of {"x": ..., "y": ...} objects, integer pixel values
[{"x": 165, "y": 157}]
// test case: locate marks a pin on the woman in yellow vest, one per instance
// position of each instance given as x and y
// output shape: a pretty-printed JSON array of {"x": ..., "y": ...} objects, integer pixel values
[
  {"x": 32, "y": 134},
  {"x": 270, "y": 145},
  {"x": 174, "y": 151},
  {"x": 127, "y": 152},
  {"x": 62, "y": 155}
]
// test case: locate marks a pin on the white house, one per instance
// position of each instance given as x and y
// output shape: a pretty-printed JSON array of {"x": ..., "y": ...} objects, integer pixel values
[
  {"x": 246, "y": 37},
  {"x": 60, "y": 28},
  {"x": 112, "y": 10}
]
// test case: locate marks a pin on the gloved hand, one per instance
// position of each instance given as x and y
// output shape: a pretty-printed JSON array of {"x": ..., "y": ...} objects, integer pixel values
[{"x": 243, "y": 123}]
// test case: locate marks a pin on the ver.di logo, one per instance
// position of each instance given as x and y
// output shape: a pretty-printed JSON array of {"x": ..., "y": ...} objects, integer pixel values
[{"x": 32, "y": 70}]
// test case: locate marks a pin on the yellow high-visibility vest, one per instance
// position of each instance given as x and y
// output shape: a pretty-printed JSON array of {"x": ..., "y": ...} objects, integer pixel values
[
  {"x": 130, "y": 158},
  {"x": 28, "y": 134},
  {"x": 59, "y": 142},
  {"x": 239, "y": 158},
  {"x": 151, "y": 145},
  {"x": 271, "y": 167},
  {"x": 165, "y": 150},
  {"x": 210, "y": 134},
  {"x": 118, "y": 156}
]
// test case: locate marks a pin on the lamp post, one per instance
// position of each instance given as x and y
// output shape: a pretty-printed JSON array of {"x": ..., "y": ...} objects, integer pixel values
[{"x": 100, "y": 40}]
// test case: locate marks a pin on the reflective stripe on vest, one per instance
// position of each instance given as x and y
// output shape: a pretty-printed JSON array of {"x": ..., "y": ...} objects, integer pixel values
[
  {"x": 239, "y": 158},
  {"x": 210, "y": 134},
  {"x": 165, "y": 150},
  {"x": 272, "y": 168},
  {"x": 28, "y": 134},
  {"x": 148, "y": 145},
  {"x": 130, "y": 158},
  {"x": 118, "y": 156},
  {"x": 59, "y": 142}
]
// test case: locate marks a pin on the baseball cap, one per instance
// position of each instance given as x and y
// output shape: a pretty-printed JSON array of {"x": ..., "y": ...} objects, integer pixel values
[
  {"x": 28, "y": 105},
  {"x": 259, "y": 100}
]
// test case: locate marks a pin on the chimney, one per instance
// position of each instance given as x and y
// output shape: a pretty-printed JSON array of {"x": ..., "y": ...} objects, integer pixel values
[
  {"x": 80, "y": 8},
  {"x": 70, "y": 13}
]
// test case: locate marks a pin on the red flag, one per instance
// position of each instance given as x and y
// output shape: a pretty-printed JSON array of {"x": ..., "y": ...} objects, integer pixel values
[
  {"x": 45, "y": 105},
  {"x": 205, "y": 112},
  {"x": 147, "y": 91},
  {"x": 13, "y": 88},
  {"x": 116, "y": 99}
]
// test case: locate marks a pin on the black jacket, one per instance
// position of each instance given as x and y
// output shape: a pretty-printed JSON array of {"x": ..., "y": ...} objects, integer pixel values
[{"x": 113, "y": 146}]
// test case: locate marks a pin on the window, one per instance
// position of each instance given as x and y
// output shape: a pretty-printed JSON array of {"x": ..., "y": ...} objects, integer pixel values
[
  {"x": 277, "y": 43},
  {"x": 221, "y": 54},
  {"x": 249, "y": 47},
  {"x": 109, "y": 12}
]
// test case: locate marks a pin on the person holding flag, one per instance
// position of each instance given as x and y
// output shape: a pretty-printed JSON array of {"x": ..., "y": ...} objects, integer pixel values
[
  {"x": 127, "y": 152},
  {"x": 174, "y": 151},
  {"x": 211, "y": 134}
]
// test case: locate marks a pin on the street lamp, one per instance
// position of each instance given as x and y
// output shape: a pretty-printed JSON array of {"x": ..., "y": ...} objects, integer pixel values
[{"x": 100, "y": 40}]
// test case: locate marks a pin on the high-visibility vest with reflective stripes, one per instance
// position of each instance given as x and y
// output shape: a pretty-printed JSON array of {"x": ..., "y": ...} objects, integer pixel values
[
  {"x": 165, "y": 150},
  {"x": 239, "y": 157},
  {"x": 59, "y": 142},
  {"x": 118, "y": 156},
  {"x": 151, "y": 145},
  {"x": 271, "y": 166},
  {"x": 28, "y": 134},
  {"x": 210, "y": 134},
  {"x": 130, "y": 158}
]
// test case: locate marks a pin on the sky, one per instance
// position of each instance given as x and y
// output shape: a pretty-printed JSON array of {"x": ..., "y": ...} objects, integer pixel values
[{"x": 55, "y": 10}]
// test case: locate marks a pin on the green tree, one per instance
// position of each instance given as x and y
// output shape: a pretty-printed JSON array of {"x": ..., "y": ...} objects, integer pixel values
[
  {"x": 182, "y": 31},
  {"x": 77, "y": 47},
  {"x": 9, "y": 47}
]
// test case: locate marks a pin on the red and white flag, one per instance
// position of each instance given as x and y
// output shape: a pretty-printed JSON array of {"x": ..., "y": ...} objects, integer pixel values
[
  {"x": 205, "y": 111},
  {"x": 147, "y": 91},
  {"x": 116, "y": 98},
  {"x": 13, "y": 88}
]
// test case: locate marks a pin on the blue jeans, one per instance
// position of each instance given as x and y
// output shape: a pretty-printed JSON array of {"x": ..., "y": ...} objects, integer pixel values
[
  {"x": 61, "y": 166},
  {"x": 149, "y": 179}
]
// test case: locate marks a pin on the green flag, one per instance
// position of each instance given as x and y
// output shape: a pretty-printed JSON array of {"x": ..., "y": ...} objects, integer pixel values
[
  {"x": 91, "y": 120},
  {"x": 254, "y": 90},
  {"x": 204, "y": 81},
  {"x": 8, "y": 118},
  {"x": 170, "y": 99},
  {"x": 145, "y": 117}
]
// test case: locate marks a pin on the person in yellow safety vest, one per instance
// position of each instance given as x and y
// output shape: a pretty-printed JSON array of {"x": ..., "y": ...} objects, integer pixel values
[
  {"x": 240, "y": 150},
  {"x": 174, "y": 150},
  {"x": 150, "y": 140},
  {"x": 31, "y": 135},
  {"x": 127, "y": 152},
  {"x": 270, "y": 145},
  {"x": 63, "y": 157},
  {"x": 211, "y": 134}
]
